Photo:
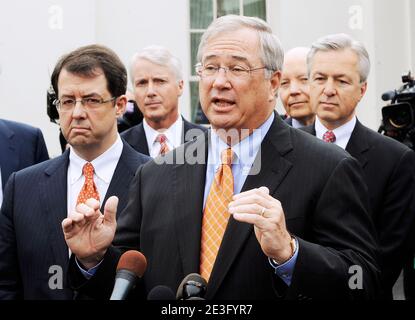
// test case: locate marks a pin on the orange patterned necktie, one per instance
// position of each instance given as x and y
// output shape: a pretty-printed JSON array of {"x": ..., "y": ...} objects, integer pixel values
[
  {"x": 89, "y": 189},
  {"x": 216, "y": 215},
  {"x": 164, "y": 148}
]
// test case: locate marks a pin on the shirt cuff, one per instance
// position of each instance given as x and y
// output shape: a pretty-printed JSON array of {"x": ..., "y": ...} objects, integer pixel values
[
  {"x": 88, "y": 274},
  {"x": 285, "y": 270}
]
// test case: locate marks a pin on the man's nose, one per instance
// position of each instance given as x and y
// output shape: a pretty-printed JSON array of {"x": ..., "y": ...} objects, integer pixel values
[
  {"x": 329, "y": 88},
  {"x": 221, "y": 79}
]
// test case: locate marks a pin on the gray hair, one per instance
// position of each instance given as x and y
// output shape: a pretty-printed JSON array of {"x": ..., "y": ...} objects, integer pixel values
[
  {"x": 272, "y": 54},
  {"x": 161, "y": 56},
  {"x": 338, "y": 42}
]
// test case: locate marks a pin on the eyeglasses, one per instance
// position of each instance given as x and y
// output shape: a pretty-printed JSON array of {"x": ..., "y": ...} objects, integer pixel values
[
  {"x": 90, "y": 103},
  {"x": 235, "y": 72}
]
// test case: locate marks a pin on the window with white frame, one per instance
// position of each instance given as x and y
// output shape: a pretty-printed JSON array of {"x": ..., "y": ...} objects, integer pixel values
[{"x": 202, "y": 13}]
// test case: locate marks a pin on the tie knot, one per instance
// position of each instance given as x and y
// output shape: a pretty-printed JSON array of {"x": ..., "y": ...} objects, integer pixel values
[
  {"x": 161, "y": 138},
  {"x": 227, "y": 156},
  {"x": 329, "y": 137},
  {"x": 88, "y": 170}
]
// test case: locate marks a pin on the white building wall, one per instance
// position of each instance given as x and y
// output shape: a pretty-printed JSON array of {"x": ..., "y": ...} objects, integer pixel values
[
  {"x": 33, "y": 35},
  {"x": 130, "y": 25}
]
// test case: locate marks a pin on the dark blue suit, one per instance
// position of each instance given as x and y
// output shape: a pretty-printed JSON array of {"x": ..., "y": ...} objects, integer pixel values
[
  {"x": 389, "y": 172},
  {"x": 20, "y": 146},
  {"x": 31, "y": 236}
]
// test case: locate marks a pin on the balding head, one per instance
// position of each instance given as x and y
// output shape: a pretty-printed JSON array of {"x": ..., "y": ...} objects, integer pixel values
[
  {"x": 299, "y": 53},
  {"x": 294, "y": 91}
]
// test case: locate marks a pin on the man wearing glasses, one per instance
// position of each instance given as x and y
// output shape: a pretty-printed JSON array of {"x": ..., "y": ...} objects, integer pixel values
[
  {"x": 90, "y": 83},
  {"x": 293, "y": 226}
]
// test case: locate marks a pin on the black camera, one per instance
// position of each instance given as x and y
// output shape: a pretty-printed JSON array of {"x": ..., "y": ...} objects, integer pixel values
[
  {"x": 50, "y": 105},
  {"x": 398, "y": 118}
]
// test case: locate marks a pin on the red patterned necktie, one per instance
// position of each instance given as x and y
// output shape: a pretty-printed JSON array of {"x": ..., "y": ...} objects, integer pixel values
[
  {"x": 89, "y": 189},
  {"x": 329, "y": 137},
  {"x": 216, "y": 215},
  {"x": 164, "y": 148}
]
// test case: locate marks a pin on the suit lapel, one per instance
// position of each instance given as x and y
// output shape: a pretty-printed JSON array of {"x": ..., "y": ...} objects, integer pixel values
[
  {"x": 358, "y": 144},
  {"x": 189, "y": 183},
  {"x": 186, "y": 127},
  {"x": 124, "y": 171},
  {"x": 273, "y": 169},
  {"x": 53, "y": 190},
  {"x": 140, "y": 140},
  {"x": 9, "y": 158}
]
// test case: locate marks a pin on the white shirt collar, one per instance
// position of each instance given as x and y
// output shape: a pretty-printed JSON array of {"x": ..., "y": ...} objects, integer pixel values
[
  {"x": 342, "y": 133},
  {"x": 245, "y": 151},
  {"x": 173, "y": 134},
  {"x": 296, "y": 124},
  {"x": 104, "y": 165}
]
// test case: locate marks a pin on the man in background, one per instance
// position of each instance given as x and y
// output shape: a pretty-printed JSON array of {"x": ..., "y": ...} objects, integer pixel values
[
  {"x": 21, "y": 146},
  {"x": 157, "y": 82},
  {"x": 295, "y": 90},
  {"x": 338, "y": 71}
]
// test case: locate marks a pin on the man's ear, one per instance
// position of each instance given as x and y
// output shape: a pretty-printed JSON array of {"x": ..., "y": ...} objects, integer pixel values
[
  {"x": 120, "y": 105},
  {"x": 363, "y": 89},
  {"x": 275, "y": 82},
  {"x": 180, "y": 85}
]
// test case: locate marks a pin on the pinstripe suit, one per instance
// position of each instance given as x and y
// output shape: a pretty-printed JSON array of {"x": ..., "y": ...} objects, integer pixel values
[
  {"x": 31, "y": 236},
  {"x": 325, "y": 204}
]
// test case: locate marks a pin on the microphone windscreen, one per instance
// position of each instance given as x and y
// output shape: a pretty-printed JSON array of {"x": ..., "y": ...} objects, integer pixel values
[
  {"x": 161, "y": 293},
  {"x": 190, "y": 277},
  {"x": 390, "y": 95},
  {"x": 133, "y": 261}
]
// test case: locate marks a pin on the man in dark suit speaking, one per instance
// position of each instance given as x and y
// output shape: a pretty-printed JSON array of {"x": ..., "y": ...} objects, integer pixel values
[
  {"x": 339, "y": 68},
  {"x": 157, "y": 81},
  {"x": 20, "y": 146},
  {"x": 259, "y": 209},
  {"x": 90, "y": 83}
]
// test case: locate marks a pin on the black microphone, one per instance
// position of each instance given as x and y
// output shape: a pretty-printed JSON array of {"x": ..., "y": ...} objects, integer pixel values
[
  {"x": 161, "y": 293},
  {"x": 193, "y": 287},
  {"x": 130, "y": 268}
]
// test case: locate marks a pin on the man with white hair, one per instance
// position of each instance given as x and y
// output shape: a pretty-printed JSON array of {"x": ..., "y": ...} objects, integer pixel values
[
  {"x": 271, "y": 232},
  {"x": 295, "y": 90},
  {"x": 157, "y": 82},
  {"x": 338, "y": 71}
]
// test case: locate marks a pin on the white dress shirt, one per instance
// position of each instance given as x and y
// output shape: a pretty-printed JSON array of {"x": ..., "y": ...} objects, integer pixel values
[
  {"x": 104, "y": 167},
  {"x": 245, "y": 153},
  {"x": 342, "y": 133},
  {"x": 296, "y": 124},
  {"x": 173, "y": 135}
]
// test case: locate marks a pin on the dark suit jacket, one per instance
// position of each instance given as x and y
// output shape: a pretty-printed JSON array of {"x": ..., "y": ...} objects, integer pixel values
[
  {"x": 136, "y": 136},
  {"x": 31, "y": 236},
  {"x": 325, "y": 204},
  {"x": 20, "y": 146},
  {"x": 389, "y": 172}
]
